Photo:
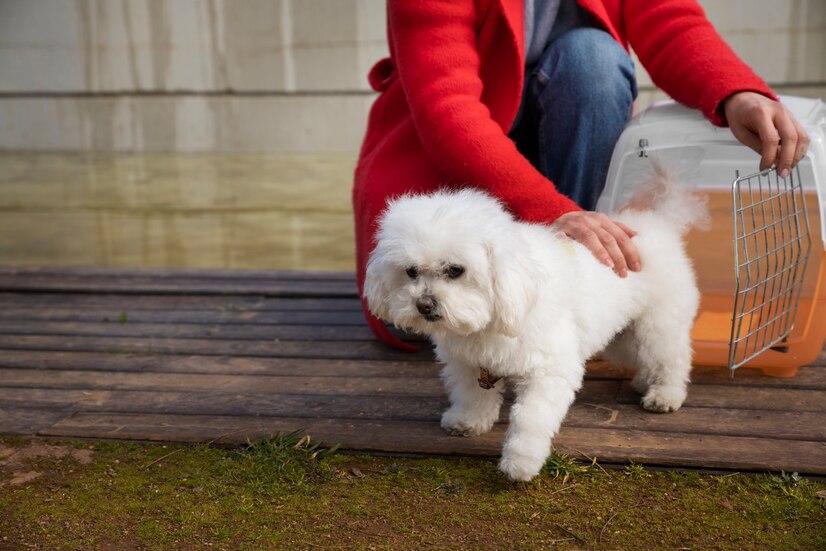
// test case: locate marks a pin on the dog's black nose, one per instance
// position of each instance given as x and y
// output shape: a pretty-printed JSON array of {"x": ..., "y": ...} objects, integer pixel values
[{"x": 426, "y": 305}]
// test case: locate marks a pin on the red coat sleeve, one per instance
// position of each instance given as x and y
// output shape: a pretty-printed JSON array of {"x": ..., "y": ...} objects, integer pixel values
[
  {"x": 685, "y": 55},
  {"x": 437, "y": 61}
]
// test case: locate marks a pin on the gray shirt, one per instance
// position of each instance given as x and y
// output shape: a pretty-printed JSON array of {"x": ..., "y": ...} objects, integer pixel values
[{"x": 546, "y": 19}]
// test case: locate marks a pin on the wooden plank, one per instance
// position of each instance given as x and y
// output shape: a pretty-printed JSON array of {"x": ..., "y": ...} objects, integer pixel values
[
  {"x": 368, "y": 350},
  {"x": 695, "y": 450},
  {"x": 807, "y": 378},
  {"x": 251, "y": 352},
  {"x": 218, "y": 365},
  {"x": 595, "y": 405},
  {"x": 219, "y": 403},
  {"x": 600, "y": 390},
  {"x": 334, "y": 317},
  {"x": 189, "y": 331},
  {"x": 792, "y": 425},
  {"x": 608, "y": 445},
  {"x": 710, "y": 395},
  {"x": 197, "y": 383},
  {"x": 22, "y": 420},
  {"x": 142, "y": 284},
  {"x": 333, "y": 402},
  {"x": 390, "y": 435},
  {"x": 115, "y": 301},
  {"x": 741, "y": 397}
]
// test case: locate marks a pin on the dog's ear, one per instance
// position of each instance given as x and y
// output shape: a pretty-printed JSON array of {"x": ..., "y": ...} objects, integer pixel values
[
  {"x": 514, "y": 289},
  {"x": 376, "y": 283}
]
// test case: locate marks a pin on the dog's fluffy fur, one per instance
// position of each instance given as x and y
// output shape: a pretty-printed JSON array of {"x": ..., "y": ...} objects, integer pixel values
[{"x": 532, "y": 305}]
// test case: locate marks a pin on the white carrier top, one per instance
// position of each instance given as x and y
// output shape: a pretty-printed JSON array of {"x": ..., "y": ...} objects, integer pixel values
[{"x": 705, "y": 155}]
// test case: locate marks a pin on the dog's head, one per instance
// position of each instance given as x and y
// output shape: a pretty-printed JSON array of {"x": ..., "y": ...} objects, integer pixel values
[{"x": 448, "y": 263}]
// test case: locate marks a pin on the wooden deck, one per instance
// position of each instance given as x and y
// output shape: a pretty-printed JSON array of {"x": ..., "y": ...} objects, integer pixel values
[{"x": 194, "y": 356}]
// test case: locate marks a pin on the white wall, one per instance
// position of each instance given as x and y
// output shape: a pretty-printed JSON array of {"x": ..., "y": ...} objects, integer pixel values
[
  {"x": 188, "y": 45},
  {"x": 266, "y": 75}
]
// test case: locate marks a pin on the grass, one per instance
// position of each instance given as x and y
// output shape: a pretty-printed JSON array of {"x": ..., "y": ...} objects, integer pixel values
[{"x": 288, "y": 492}]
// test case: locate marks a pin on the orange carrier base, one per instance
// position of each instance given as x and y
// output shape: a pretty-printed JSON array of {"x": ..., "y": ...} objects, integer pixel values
[{"x": 713, "y": 328}]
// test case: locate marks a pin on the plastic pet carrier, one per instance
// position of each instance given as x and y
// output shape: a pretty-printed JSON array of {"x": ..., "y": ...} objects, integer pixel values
[{"x": 761, "y": 267}]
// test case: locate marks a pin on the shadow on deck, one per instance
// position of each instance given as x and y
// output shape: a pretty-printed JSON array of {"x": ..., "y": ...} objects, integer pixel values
[{"x": 199, "y": 356}]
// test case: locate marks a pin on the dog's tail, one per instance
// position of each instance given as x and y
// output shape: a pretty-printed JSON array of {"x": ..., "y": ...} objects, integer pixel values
[{"x": 662, "y": 193}]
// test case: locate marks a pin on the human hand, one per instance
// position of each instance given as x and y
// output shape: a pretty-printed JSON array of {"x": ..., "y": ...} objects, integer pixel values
[
  {"x": 608, "y": 240},
  {"x": 767, "y": 127}
]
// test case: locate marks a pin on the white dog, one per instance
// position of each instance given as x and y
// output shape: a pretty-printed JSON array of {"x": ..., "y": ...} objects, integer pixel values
[{"x": 520, "y": 301}]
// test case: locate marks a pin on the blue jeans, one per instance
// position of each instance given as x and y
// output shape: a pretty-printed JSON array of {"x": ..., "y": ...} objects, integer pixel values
[{"x": 576, "y": 101}]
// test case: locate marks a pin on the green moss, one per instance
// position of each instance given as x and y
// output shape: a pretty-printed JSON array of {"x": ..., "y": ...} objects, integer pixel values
[{"x": 288, "y": 492}]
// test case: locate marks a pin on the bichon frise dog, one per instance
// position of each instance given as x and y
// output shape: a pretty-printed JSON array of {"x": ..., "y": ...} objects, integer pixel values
[{"x": 522, "y": 302}]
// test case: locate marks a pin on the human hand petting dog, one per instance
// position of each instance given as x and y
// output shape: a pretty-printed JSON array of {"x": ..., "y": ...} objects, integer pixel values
[
  {"x": 767, "y": 127},
  {"x": 608, "y": 240}
]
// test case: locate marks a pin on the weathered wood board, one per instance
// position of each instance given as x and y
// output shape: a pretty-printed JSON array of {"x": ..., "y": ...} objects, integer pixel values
[{"x": 197, "y": 356}]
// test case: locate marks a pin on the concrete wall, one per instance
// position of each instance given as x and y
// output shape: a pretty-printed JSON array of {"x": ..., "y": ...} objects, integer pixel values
[{"x": 266, "y": 75}]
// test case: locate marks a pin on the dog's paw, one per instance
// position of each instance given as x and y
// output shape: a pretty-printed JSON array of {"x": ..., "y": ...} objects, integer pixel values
[
  {"x": 639, "y": 383},
  {"x": 519, "y": 468},
  {"x": 460, "y": 423},
  {"x": 663, "y": 399}
]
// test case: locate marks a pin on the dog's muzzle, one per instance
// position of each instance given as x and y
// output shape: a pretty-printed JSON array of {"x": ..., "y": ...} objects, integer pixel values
[{"x": 427, "y": 307}]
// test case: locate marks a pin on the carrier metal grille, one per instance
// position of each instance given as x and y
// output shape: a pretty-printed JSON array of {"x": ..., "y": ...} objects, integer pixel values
[{"x": 771, "y": 251}]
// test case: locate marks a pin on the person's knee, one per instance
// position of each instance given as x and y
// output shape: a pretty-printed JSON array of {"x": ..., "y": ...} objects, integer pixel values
[{"x": 591, "y": 66}]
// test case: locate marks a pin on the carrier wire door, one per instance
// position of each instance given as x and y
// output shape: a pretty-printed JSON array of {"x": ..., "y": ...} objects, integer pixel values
[{"x": 771, "y": 250}]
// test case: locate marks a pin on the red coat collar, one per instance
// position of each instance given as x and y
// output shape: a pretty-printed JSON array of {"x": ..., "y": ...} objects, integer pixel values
[{"x": 514, "y": 12}]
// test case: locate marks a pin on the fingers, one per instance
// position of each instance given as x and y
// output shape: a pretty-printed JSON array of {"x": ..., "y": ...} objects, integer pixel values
[
  {"x": 769, "y": 140},
  {"x": 766, "y": 126},
  {"x": 747, "y": 138},
  {"x": 591, "y": 240},
  {"x": 775, "y": 135},
  {"x": 628, "y": 231},
  {"x": 580, "y": 226},
  {"x": 620, "y": 233},
  {"x": 788, "y": 142},
  {"x": 610, "y": 243},
  {"x": 802, "y": 142}
]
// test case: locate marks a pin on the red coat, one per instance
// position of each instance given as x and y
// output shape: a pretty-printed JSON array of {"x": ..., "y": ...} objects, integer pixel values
[{"x": 453, "y": 82}]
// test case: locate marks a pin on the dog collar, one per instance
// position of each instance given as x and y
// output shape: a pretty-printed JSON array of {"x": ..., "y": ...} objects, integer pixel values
[{"x": 486, "y": 380}]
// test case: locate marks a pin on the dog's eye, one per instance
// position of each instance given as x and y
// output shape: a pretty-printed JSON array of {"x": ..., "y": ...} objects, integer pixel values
[
  {"x": 412, "y": 272},
  {"x": 453, "y": 271}
]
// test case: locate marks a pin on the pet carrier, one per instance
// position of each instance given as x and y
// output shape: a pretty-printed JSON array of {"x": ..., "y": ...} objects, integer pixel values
[{"x": 761, "y": 267}]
